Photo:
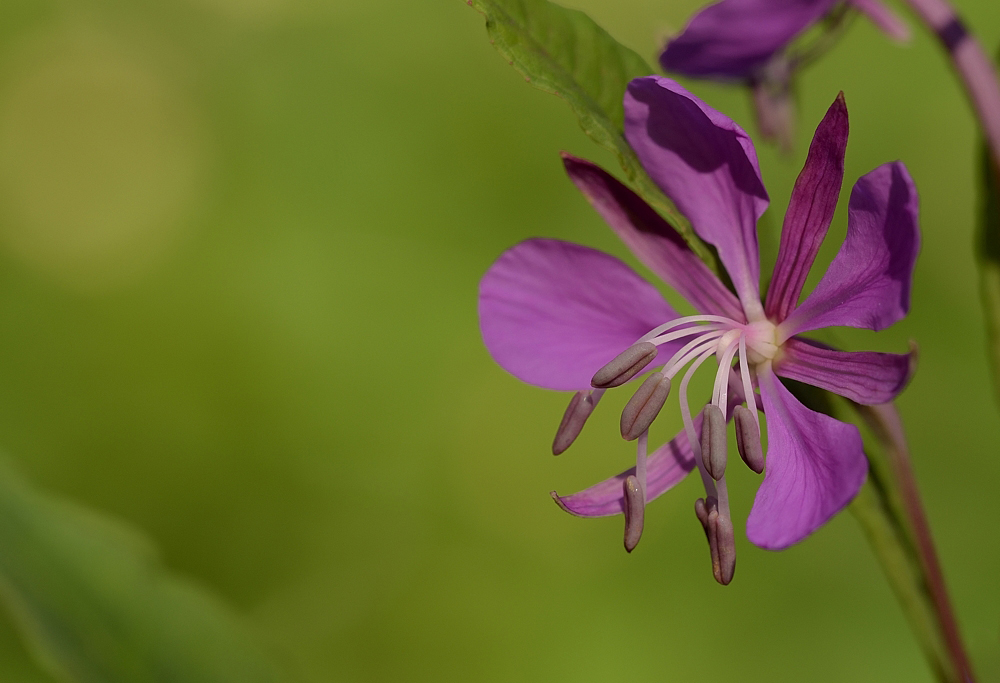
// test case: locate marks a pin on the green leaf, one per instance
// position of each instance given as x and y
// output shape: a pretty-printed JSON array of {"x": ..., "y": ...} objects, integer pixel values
[
  {"x": 563, "y": 52},
  {"x": 988, "y": 256},
  {"x": 96, "y": 606}
]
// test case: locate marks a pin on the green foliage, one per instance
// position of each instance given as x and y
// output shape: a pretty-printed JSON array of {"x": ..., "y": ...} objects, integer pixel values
[
  {"x": 888, "y": 536},
  {"x": 892, "y": 516},
  {"x": 563, "y": 52},
  {"x": 96, "y": 605}
]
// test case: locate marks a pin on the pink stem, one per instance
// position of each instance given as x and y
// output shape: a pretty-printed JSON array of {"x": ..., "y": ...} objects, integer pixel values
[
  {"x": 887, "y": 422},
  {"x": 972, "y": 64}
]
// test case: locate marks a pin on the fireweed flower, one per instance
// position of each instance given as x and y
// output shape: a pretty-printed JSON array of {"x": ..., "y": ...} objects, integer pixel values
[
  {"x": 746, "y": 41},
  {"x": 736, "y": 39},
  {"x": 564, "y": 316}
]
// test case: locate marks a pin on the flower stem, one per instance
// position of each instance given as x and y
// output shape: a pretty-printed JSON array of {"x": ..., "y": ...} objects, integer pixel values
[
  {"x": 885, "y": 424},
  {"x": 970, "y": 61}
]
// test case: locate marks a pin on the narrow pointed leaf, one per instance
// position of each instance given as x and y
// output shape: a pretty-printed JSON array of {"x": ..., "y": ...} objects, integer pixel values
[
  {"x": 563, "y": 52},
  {"x": 95, "y": 605}
]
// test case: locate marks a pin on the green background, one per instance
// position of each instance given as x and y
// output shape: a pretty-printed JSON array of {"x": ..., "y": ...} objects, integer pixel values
[{"x": 240, "y": 242}]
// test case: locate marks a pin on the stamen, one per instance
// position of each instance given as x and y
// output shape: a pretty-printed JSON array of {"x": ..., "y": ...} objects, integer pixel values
[
  {"x": 719, "y": 533},
  {"x": 724, "y": 553},
  {"x": 635, "y": 508},
  {"x": 644, "y": 405},
  {"x": 686, "y": 320},
  {"x": 713, "y": 440},
  {"x": 580, "y": 407},
  {"x": 720, "y": 390},
  {"x": 748, "y": 439},
  {"x": 721, "y": 539},
  {"x": 706, "y": 479},
  {"x": 701, "y": 511},
  {"x": 748, "y": 395},
  {"x": 687, "y": 332},
  {"x": 640, "y": 461},
  {"x": 625, "y": 366},
  {"x": 690, "y": 351}
]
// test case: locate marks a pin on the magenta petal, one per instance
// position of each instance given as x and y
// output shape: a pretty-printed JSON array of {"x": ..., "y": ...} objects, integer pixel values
[
  {"x": 708, "y": 166},
  {"x": 665, "y": 467},
  {"x": 815, "y": 465},
  {"x": 810, "y": 210},
  {"x": 868, "y": 283},
  {"x": 552, "y": 313},
  {"x": 654, "y": 241},
  {"x": 732, "y": 39},
  {"x": 866, "y": 377}
]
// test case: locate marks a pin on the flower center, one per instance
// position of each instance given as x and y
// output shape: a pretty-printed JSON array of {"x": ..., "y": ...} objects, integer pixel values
[
  {"x": 704, "y": 336},
  {"x": 762, "y": 341}
]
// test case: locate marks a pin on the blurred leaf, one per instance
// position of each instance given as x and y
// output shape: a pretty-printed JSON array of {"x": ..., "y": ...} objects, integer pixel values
[
  {"x": 988, "y": 253},
  {"x": 885, "y": 533},
  {"x": 890, "y": 511},
  {"x": 97, "y": 606},
  {"x": 563, "y": 52}
]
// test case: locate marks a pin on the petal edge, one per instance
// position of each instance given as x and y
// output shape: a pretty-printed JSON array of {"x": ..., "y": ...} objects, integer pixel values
[
  {"x": 814, "y": 467},
  {"x": 552, "y": 313},
  {"x": 707, "y": 165},
  {"x": 652, "y": 239},
  {"x": 868, "y": 283},
  {"x": 865, "y": 377}
]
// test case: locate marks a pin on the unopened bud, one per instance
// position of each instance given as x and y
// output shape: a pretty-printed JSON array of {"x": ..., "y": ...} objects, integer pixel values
[
  {"x": 713, "y": 441},
  {"x": 579, "y": 409},
  {"x": 773, "y": 102},
  {"x": 644, "y": 405},
  {"x": 625, "y": 366},
  {"x": 635, "y": 511},
  {"x": 748, "y": 439}
]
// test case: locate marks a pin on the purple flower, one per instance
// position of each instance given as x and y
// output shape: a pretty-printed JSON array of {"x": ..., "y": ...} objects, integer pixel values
[
  {"x": 746, "y": 41},
  {"x": 738, "y": 39},
  {"x": 554, "y": 313}
]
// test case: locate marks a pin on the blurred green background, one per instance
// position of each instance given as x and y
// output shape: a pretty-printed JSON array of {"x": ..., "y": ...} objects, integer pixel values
[{"x": 239, "y": 248}]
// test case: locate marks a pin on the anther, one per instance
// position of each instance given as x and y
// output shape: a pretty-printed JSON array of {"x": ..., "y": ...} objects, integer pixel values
[
  {"x": 635, "y": 510},
  {"x": 644, "y": 406},
  {"x": 625, "y": 366},
  {"x": 579, "y": 409},
  {"x": 713, "y": 441},
  {"x": 723, "y": 547},
  {"x": 721, "y": 539},
  {"x": 748, "y": 439},
  {"x": 701, "y": 512}
]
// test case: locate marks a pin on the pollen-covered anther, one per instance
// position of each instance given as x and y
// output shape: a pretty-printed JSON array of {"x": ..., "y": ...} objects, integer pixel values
[
  {"x": 579, "y": 409},
  {"x": 635, "y": 510},
  {"x": 748, "y": 439},
  {"x": 625, "y": 366},
  {"x": 644, "y": 405},
  {"x": 713, "y": 441}
]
